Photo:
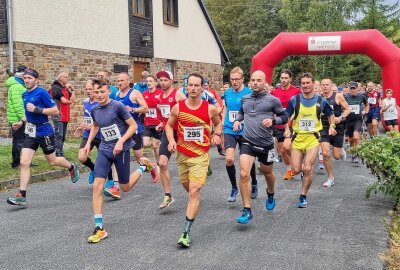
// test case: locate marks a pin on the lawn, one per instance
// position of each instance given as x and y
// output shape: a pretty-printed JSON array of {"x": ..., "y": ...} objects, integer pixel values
[{"x": 71, "y": 148}]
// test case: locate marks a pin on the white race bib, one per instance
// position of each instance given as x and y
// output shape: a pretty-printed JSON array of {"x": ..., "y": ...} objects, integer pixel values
[
  {"x": 372, "y": 100},
  {"x": 165, "y": 110},
  {"x": 88, "y": 120},
  {"x": 152, "y": 113},
  {"x": 110, "y": 133},
  {"x": 193, "y": 134},
  {"x": 232, "y": 116},
  {"x": 30, "y": 130},
  {"x": 271, "y": 155},
  {"x": 355, "y": 109},
  {"x": 307, "y": 124}
]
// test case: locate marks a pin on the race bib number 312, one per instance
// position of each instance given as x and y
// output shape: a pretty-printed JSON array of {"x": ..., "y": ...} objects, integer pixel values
[{"x": 307, "y": 124}]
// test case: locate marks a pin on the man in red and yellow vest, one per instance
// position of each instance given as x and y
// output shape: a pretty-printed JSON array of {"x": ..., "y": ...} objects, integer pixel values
[{"x": 193, "y": 118}]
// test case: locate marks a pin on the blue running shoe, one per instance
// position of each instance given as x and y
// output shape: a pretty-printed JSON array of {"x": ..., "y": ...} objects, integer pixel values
[
  {"x": 91, "y": 177},
  {"x": 74, "y": 173},
  {"x": 232, "y": 197},
  {"x": 245, "y": 217},
  {"x": 18, "y": 199},
  {"x": 254, "y": 191},
  {"x": 302, "y": 202},
  {"x": 109, "y": 183},
  {"x": 270, "y": 203}
]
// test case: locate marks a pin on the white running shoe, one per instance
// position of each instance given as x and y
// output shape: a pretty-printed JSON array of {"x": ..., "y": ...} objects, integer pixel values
[
  {"x": 344, "y": 155},
  {"x": 329, "y": 183}
]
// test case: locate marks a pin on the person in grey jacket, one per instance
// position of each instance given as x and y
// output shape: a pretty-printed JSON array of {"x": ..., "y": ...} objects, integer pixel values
[{"x": 261, "y": 111}]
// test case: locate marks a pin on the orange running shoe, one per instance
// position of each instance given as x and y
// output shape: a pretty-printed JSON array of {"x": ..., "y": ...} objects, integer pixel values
[
  {"x": 288, "y": 175},
  {"x": 113, "y": 192}
]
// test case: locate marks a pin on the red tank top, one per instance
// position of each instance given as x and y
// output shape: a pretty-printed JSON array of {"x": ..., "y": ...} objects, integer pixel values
[
  {"x": 153, "y": 116},
  {"x": 194, "y": 129},
  {"x": 166, "y": 104}
]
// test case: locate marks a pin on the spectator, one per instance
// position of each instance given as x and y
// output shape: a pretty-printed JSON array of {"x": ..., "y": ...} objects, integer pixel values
[
  {"x": 15, "y": 112},
  {"x": 105, "y": 74},
  {"x": 63, "y": 94},
  {"x": 141, "y": 86}
]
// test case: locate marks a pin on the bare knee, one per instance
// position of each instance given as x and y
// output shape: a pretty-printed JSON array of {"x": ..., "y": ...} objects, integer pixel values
[
  {"x": 229, "y": 161},
  {"x": 98, "y": 185},
  {"x": 307, "y": 169},
  {"x": 244, "y": 175},
  {"x": 163, "y": 164},
  {"x": 194, "y": 193}
]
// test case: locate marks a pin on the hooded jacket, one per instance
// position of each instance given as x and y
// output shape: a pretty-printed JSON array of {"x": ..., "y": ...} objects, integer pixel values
[{"x": 15, "y": 103}]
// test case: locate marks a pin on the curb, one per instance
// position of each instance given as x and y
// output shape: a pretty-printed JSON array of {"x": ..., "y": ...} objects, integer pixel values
[{"x": 50, "y": 175}]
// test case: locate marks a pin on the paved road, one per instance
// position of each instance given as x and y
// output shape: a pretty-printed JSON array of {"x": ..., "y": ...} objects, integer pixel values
[{"x": 339, "y": 230}]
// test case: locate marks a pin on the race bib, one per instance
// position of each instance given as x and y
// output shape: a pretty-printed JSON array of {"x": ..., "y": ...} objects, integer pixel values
[
  {"x": 88, "y": 120},
  {"x": 372, "y": 100},
  {"x": 271, "y": 155},
  {"x": 232, "y": 116},
  {"x": 191, "y": 134},
  {"x": 355, "y": 109},
  {"x": 165, "y": 110},
  {"x": 110, "y": 133},
  {"x": 30, "y": 130},
  {"x": 152, "y": 113},
  {"x": 391, "y": 111},
  {"x": 307, "y": 124}
]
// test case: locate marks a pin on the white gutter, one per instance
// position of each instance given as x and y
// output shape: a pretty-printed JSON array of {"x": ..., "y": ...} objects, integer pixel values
[{"x": 10, "y": 36}]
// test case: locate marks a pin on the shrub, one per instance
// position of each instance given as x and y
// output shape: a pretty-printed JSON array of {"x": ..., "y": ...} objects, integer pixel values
[{"x": 382, "y": 156}]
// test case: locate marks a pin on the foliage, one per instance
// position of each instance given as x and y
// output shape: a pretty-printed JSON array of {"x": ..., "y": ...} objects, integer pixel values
[{"x": 381, "y": 155}]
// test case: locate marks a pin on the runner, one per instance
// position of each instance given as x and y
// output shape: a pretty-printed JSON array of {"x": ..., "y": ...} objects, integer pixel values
[
  {"x": 117, "y": 127},
  {"x": 282, "y": 133},
  {"x": 260, "y": 111},
  {"x": 134, "y": 102},
  {"x": 152, "y": 118},
  {"x": 374, "y": 100},
  {"x": 354, "y": 120},
  {"x": 193, "y": 118},
  {"x": 39, "y": 132},
  {"x": 389, "y": 110},
  {"x": 167, "y": 100},
  {"x": 340, "y": 110},
  {"x": 233, "y": 105},
  {"x": 307, "y": 108}
]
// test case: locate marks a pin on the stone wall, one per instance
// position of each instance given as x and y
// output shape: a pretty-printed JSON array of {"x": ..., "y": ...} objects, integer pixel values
[{"x": 83, "y": 65}]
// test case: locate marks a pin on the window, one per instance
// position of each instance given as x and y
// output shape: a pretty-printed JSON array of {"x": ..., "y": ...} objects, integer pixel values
[
  {"x": 170, "y": 10},
  {"x": 139, "y": 8},
  {"x": 170, "y": 66}
]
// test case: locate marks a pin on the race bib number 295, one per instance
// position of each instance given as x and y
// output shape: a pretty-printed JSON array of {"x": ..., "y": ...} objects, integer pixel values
[{"x": 193, "y": 134}]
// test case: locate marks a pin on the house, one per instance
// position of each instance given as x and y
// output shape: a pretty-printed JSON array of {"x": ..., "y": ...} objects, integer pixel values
[{"x": 84, "y": 37}]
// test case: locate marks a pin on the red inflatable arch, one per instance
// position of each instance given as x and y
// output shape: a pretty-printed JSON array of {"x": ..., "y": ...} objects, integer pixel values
[{"x": 369, "y": 42}]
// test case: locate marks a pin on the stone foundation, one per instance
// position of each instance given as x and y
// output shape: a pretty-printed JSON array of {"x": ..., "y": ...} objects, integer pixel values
[{"x": 82, "y": 65}]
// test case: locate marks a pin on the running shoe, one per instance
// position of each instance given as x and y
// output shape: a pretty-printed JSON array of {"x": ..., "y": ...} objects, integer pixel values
[
  {"x": 146, "y": 162},
  {"x": 254, "y": 191},
  {"x": 232, "y": 196},
  {"x": 209, "y": 172},
  {"x": 245, "y": 217},
  {"x": 98, "y": 235},
  {"x": 184, "y": 241},
  {"x": 321, "y": 165},
  {"x": 278, "y": 159},
  {"x": 113, "y": 192},
  {"x": 17, "y": 200},
  {"x": 330, "y": 182},
  {"x": 302, "y": 202},
  {"x": 301, "y": 175},
  {"x": 91, "y": 177},
  {"x": 270, "y": 203},
  {"x": 155, "y": 173},
  {"x": 74, "y": 173},
  {"x": 167, "y": 201},
  {"x": 288, "y": 175},
  {"x": 109, "y": 183}
]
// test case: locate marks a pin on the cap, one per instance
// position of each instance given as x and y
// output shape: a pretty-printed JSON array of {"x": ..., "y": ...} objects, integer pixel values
[
  {"x": 32, "y": 72},
  {"x": 166, "y": 74},
  {"x": 353, "y": 84},
  {"x": 20, "y": 68}
]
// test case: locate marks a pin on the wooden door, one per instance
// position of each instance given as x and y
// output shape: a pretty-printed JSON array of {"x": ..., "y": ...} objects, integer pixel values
[{"x": 138, "y": 68}]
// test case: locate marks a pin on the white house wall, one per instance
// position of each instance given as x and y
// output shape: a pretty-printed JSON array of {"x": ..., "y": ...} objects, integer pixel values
[
  {"x": 191, "y": 41},
  {"x": 101, "y": 25}
]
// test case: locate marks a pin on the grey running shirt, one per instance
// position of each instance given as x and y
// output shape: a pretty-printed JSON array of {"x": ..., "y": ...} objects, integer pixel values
[
  {"x": 256, "y": 108},
  {"x": 108, "y": 115}
]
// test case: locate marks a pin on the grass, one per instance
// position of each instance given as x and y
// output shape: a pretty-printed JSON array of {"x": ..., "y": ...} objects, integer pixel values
[
  {"x": 392, "y": 255},
  {"x": 71, "y": 148}
]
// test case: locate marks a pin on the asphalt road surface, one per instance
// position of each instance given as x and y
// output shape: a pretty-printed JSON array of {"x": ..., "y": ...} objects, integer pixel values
[{"x": 339, "y": 229}]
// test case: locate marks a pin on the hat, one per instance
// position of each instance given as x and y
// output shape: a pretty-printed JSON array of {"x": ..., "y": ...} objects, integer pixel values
[
  {"x": 31, "y": 72},
  {"x": 20, "y": 69},
  {"x": 166, "y": 74},
  {"x": 353, "y": 84}
]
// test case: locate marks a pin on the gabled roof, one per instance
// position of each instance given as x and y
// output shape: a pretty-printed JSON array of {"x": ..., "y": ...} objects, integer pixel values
[{"x": 225, "y": 57}]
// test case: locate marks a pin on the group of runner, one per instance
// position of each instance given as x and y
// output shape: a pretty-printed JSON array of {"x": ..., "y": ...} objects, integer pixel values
[{"x": 188, "y": 121}]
